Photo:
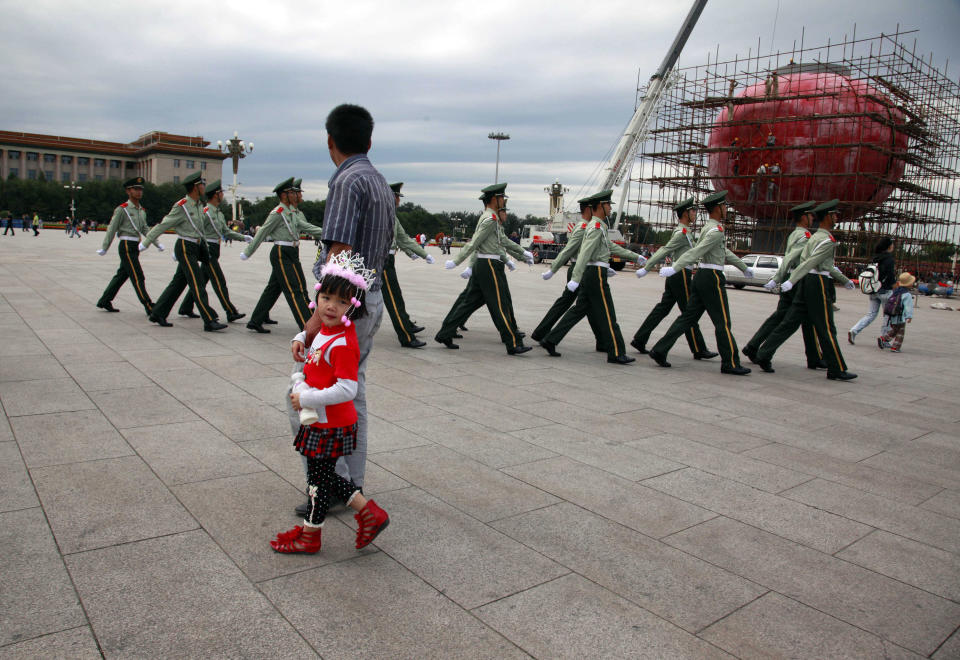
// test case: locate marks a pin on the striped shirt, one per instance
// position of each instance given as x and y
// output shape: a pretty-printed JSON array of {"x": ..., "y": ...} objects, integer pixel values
[{"x": 360, "y": 213}]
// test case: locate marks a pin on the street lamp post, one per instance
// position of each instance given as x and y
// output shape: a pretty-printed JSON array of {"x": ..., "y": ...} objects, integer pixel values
[
  {"x": 73, "y": 188},
  {"x": 237, "y": 150},
  {"x": 499, "y": 137}
]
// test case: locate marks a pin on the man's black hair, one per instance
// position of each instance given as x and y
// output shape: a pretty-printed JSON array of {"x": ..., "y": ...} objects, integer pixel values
[{"x": 351, "y": 128}]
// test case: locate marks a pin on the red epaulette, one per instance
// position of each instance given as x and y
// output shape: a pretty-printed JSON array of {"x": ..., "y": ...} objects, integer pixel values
[
  {"x": 832, "y": 238},
  {"x": 806, "y": 234},
  {"x": 719, "y": 227},
  {"x": 124, "y": 205},
  {"x": 684, "y": 230},
  {"x": 583, "y": 226},
  {"x": 205, "y": 208},
  {"x": 182, "y": 202},
  {"x": 597, "y": 226},
  {"x": 279, "y": 209}
]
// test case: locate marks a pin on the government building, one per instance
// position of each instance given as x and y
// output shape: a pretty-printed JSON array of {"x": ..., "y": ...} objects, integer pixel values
[{"x": 156, "y": 156}]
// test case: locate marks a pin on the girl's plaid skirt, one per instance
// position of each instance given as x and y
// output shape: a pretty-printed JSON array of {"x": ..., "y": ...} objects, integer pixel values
[{"x": 331, "y": 442}]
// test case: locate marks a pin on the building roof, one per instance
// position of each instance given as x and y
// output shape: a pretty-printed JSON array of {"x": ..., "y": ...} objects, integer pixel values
[{"x": 154, "y": 141}]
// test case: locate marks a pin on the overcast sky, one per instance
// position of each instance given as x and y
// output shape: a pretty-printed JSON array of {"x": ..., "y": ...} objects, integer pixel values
[{"x": 559, "y": 77}]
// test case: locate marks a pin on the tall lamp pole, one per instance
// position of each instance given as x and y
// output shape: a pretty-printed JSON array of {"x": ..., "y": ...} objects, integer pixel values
[
  {"x": 499, "y": 137},
  {"x": 73, "y": 188},
  {"x": 237, "y": 150}
]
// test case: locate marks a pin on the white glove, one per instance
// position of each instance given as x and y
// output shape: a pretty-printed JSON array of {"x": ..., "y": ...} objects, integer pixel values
[
  {"x": 467, "y": 272},
  {"x": 748, "y": 273},
  {"x": 642, "y": 272},
  {"x": 243, "y": 256},
  {"x": 786, "y": 286},
  {"x": 450, "y": 264},
  {"x": 770, "y": 286},
  {"x": 547, "y": 275},
  {"x": 667, "y": 271},
  {"x": 511, "y": 265},
  {"x": 160, "y": 247},
  {"x": 572, "y": 286},
  {"x": 430, "y": 259},
  {"x": 611, "y": 272},
  {"x": 850, "y": 285},
  {"x": 141, "y": 246},
  {"x": 101, "y": 252},
  {"x": 528, "y": 257},
  {"x": 247, "y": 238}
]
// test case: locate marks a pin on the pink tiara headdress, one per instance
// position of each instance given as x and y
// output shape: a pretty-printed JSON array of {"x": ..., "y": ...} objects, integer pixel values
[{"x": 350, "y": 267}]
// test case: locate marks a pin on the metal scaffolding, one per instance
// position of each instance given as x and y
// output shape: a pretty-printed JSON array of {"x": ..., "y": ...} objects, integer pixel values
[{"x": 900, "y": 95}]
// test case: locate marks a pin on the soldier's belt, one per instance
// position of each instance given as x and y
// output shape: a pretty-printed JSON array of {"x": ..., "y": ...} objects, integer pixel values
[
  {"x": 215, "y": 241},
  {"x": 826, "y": 273},
  {"x": 710, "y": 266},
  {"x": 188, "y": 239},
  {"x": 488, "y": 256},
  {"x": 602, "y": 264},
  {"x": 391, "y": 251},
  {"x": 287, "y": 243},
  {"x": 129, "y": 238}
]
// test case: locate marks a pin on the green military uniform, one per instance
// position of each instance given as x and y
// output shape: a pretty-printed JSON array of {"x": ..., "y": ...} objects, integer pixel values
[
  {"x": 676, "y": 289},
  {"x": 190, "y": 251},
  {"x": 813, "y": 301},
  {"x": 593, "y": 292},
  {"x": 284, "y": 226},
  {"x": 392, "y": 295},
  {"x": 301, "y": 222},
  {"x": 128, "y": 223},
  {"x": 487, "y": 284},
  {"x": 796, "y": 242},
  {"x": 215, "y": 229},
  {"x": 709, "y": 292}
]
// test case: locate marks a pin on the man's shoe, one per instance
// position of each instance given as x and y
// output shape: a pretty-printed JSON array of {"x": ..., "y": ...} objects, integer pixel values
[
  {"x": 621, "y": 359},
  {"x": 850, "y": 337},
  {"x": 659, "y": 359},
  {"x": 417, "y": 328},
  {"x": 108, "y": 306},
  {"x": 462, "y": 327},
  {"x": 842, "y": 375},
  {"x": 704, "y": 355},
  {"x": 821, "y": 364},
  {"x": 416, "y": 343},
  {"x": 735, "y": 371},
  {"x": 190, "y": 315},
  {"x": 519, "y": 349},
  {"x": 550, "y": 348},
  {"x": 163, "y": 323},
  {"x": 257, "y": 327},
  {"x": 235, "y": 317},
  {"x": 457, "y": 335},
  {"x": 213, "y": 326},
  {"x": 751, "y": 353},
  {"x": 766, "y": 365},
  {"x": 269, "y": 321},
  {"x": 640, "y": 347},
  {"x": 446, "y": 342},
  {"x": 303, "y": 510}
]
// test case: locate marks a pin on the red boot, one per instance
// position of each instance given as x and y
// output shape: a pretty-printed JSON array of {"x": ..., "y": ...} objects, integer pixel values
[
  {"x": 298, "y": 540},
  {"x": 370, "y": 522}
]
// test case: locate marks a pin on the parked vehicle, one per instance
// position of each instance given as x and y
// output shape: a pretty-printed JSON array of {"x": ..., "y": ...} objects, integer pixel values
[{"x": 764, "y": 267}]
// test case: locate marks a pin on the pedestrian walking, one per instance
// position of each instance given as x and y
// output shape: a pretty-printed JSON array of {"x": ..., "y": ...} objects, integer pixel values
[
  {"x": 887, "y": 274},
  {"x": 899, "y": 312}
]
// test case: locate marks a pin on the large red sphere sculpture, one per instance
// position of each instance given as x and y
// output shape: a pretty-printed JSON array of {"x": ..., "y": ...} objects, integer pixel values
[{"x": 830, "y": 137}]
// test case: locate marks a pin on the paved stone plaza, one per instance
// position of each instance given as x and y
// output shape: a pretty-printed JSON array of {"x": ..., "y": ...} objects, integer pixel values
[{"x": 540, "y": 507}]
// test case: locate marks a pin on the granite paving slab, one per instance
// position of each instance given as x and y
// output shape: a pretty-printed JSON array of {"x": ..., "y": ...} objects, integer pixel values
[
  {"x": 37, "y": 595},
  {"x": 950, "y": 649},
  {"x": 106, "y": 502},
  {"x": 141, "y": 596},
  {"x": 672, "y": 584},
  {"x": 242, "y": 417},
  {"x": 236, "y": 367},
  {"x": 195, "y": 384},
  {"x": 16, "y": 489},
  {"x": 946, "y": 502},
  {"x": 571, "y": 617},
  {"x": 97, "y": 353},
  {"x": 69, "y": 437},
  {"x": 914, "y": 468},
  {"x": 36, "y": 397},
  {"x": 141, "y": 406},
  {"x": 30, "y": 367},
  {"x": 75, "y": 644},
  {"x": 106, "y": 375}
]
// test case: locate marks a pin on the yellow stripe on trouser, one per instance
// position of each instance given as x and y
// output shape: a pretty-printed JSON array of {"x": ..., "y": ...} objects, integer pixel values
[
  {"x": 496, "y": 288},
  {"x": 134, "y": 276},
  {"x": 393, "y": 303},
  {"x": 686, "y": 292},
  {"x": 726, "y": 319},
  {"x": 816, "y": 340},
  {"x": 293, "y": 298},
  {"x": 193, "y": 277},
  {"x": 606, "y": 310},
  {"x": 826, "y": 321},
  {"x": 216, "y": 283}
]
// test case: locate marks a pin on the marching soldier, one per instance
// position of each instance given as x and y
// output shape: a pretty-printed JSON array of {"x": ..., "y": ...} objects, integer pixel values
[
  {"x": 594, "y": 299},
  {"x": 487, "y": 284},
  {"x": 709, "y": 289},
  {"x": 190, "y": 250},
  {"x": 567, "y": 255},
  {"x": 392, "y": 295},
  {"x": 215, "y": 229},
  {"x": 128, "y": 223},
  {"x": 796, "y": 241},
  {"x": 813, "y": 301},
  {"x": 677, "y": 288},
  {"x": 284, "y": 225}
]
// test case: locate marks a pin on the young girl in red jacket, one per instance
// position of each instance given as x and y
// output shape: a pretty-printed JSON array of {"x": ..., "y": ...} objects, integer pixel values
[{"x": 325, "y": 398}]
